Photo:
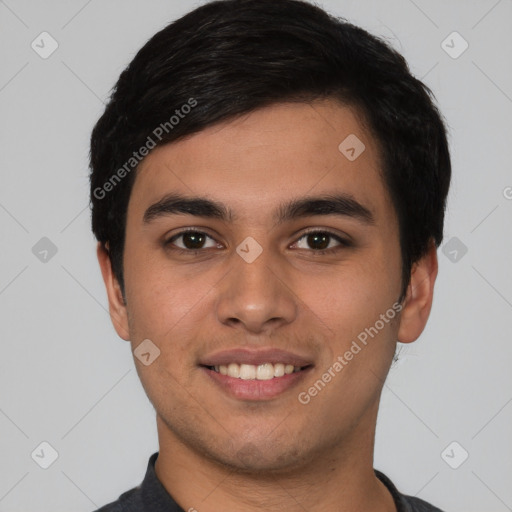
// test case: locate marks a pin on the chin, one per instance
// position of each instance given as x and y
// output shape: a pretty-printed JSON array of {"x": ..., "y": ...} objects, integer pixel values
[{"x": 264, "y": 460}]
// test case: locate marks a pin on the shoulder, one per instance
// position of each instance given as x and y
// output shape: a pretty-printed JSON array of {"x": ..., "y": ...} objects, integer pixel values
[
  {"x": 403, "y": 502},
  {"x": 139, "y": 498},
  {"x": 418, "y": 505},
  {"x": 129, "y": 501}
]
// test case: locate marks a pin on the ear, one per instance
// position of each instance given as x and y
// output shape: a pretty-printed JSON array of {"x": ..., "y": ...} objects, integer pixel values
[
  {"x": 117, "y": 306},
  {"x": 418, "y": 301}
]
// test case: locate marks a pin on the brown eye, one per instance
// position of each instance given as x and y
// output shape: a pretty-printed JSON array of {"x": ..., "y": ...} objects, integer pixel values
[
  {"x": 321, "y": 241},
  {"x": 318, "y": 240},
  {"x": 191, "y": 240}
]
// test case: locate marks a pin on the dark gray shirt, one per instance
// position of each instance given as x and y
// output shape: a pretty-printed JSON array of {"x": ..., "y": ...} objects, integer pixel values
[{"x": 151, "y": 496}]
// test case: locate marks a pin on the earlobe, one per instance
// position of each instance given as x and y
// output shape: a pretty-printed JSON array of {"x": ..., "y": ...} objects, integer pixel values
[
  {"x": 420, "y": 293},
  {"x": 117, "y": 306}
]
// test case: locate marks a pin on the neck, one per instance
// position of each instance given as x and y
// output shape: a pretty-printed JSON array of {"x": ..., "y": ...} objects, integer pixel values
[{"x": 342, "y": 479}]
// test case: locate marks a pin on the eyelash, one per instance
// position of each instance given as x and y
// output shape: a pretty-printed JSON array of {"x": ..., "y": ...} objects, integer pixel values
[{"x": 321, "y": 252}]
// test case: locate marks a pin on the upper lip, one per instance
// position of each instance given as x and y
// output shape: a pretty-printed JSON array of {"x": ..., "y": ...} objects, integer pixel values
[{"x": 254, "y": 357}]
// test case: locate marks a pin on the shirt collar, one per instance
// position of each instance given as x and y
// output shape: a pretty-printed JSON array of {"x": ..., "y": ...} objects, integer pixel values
[{"x": 154, "y": 495}]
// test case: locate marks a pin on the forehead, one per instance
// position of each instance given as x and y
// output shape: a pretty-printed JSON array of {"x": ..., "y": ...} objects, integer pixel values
[{"x": 252, "y": 163}]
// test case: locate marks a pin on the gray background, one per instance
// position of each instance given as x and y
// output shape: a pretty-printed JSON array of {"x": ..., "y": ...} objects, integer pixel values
[{"x": 67, "y": 379}]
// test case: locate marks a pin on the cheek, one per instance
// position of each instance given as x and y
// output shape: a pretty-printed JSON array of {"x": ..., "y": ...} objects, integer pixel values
[
  {"x": 363, "y": 327},
  {"x": 352, "y": 296},
  {"x": 161, "y": 296}
]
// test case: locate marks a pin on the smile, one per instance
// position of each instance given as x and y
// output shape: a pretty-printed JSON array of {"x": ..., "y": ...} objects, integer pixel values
[
  {"x": 265, "y": 371},
  {"x": 252, "y": 374}
]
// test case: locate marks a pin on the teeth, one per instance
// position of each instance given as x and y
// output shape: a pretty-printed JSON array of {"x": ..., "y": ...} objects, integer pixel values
[
  {"x": 233, "y": 370},
  {"x": 264, "y": 371},
  {"x": 278, "y": 370},
  {"x": 247, "y": 371}
]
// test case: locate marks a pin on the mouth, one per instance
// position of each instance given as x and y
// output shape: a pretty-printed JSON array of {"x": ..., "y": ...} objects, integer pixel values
[{"x": 252, "y": 375}]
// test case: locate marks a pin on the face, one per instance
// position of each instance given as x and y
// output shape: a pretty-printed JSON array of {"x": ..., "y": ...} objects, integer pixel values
[{"x": 258, "y": 283}]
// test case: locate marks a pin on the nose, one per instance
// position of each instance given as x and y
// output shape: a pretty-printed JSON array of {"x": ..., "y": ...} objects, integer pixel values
[{"x": 256, "y": 296}]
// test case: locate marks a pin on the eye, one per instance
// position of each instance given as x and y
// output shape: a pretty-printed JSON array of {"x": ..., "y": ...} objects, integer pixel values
[
  {"x": 322, "y": 241},
  {"x": 192, "y": 241},
  {"x": 317, "y": 241}
]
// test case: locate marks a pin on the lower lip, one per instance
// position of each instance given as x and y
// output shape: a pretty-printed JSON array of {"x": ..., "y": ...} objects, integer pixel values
[{"x": 253, "y": 389}]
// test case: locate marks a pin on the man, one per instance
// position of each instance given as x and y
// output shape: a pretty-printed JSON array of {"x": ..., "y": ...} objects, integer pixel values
[{"x": 268, "y": 189}]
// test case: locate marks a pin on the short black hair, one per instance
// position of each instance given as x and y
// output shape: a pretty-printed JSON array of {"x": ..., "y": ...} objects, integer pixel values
[{"x": 230, "y": 57}]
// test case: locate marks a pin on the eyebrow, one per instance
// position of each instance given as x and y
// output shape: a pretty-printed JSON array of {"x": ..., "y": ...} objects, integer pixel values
[{"x": 340, "y": 204}]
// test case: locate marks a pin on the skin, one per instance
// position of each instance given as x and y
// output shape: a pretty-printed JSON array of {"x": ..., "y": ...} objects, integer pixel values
[{"x": 221, "y": 453}]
